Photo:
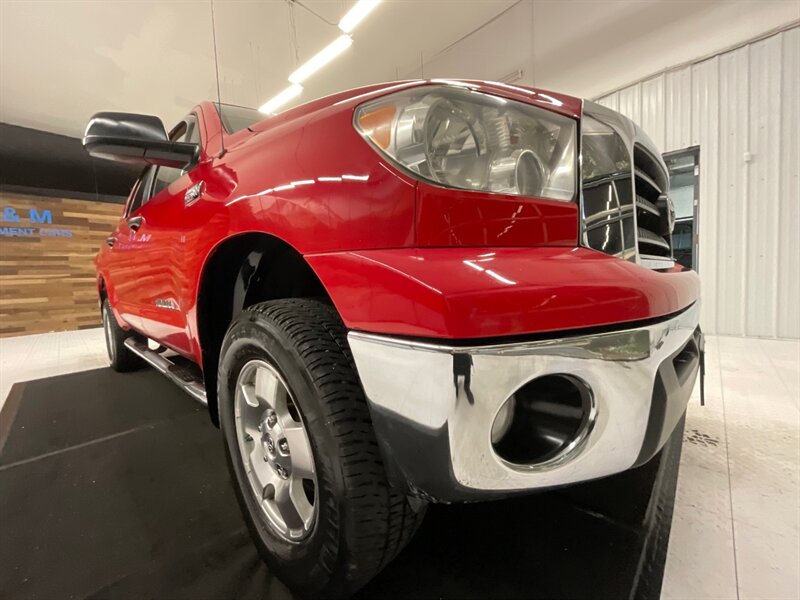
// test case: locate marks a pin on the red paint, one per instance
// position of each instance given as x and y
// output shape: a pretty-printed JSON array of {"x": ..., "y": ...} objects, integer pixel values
[
  {"x": 450, "y": 217},
  {"x": 369, "y": 231},
  {"x": 461, "y": 293}
]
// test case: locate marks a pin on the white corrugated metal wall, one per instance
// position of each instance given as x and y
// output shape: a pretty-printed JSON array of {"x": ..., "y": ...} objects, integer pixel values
[{"x": 741, "y": 107}]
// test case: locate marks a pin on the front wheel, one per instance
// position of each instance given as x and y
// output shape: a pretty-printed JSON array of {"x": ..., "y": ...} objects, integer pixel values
[
  {"x": 302, "y": 452},
  {"x": 120, "y": 358}
]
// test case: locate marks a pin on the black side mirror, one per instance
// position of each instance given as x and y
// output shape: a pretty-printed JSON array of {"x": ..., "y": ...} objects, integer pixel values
[{"x": 136, "y": 139}]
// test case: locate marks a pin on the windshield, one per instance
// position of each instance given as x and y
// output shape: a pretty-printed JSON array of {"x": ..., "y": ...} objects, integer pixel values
[{"x": 236, "y": 118}]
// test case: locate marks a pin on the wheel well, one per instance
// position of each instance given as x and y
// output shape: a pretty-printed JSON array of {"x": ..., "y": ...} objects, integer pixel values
[
  {"x": 243, "y": 271},
  {"x": 102, "y": 293}
]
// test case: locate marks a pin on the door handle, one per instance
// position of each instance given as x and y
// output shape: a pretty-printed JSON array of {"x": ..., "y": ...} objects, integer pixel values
[
  {"x": 111, "y": 240},
  {"x": 135, "y": 222}
]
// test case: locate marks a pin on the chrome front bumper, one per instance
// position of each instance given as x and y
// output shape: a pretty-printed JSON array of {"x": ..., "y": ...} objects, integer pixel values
[{"x": 436, "y": 441}]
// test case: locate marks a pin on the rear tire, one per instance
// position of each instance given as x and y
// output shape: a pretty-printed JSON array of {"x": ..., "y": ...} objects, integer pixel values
[
  {"x": 358, "y": 522},
  {"x": 120, "y": 358}
]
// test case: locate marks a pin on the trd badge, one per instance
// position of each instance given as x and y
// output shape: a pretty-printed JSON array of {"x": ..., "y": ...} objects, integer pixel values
[
  {"x": 193, "y": 193},
  {"x": 167, "y": 303}
]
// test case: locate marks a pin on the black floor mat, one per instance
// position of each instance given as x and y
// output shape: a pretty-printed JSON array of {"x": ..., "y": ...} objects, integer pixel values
[{"x": 115, "y": 486}]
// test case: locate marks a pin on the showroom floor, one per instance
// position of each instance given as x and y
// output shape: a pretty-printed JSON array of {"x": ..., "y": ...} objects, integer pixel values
[{"x": 736, "y": 527}]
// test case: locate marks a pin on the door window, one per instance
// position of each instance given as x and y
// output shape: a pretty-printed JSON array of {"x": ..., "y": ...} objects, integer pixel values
[
  {"x": 186, "y": 131},
  {"x": 142, "y": 193},
  {"x": 164, "y": 176},
  {"x": 236, "y": 118}
]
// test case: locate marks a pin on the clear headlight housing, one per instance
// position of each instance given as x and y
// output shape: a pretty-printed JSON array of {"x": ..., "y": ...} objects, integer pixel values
[{"x": 459, "y": 138}]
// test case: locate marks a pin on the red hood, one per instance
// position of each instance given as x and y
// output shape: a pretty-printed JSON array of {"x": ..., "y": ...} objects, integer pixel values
[{"x": 560, "y": 103}]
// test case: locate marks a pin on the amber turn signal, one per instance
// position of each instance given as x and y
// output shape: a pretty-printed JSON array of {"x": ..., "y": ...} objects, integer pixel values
[{"x": 377, "y": 124}]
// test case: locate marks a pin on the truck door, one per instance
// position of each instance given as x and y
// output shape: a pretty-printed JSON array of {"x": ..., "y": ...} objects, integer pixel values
[
  {"x": 124, "y": 254},
  {"x": 160, "y": 262}
]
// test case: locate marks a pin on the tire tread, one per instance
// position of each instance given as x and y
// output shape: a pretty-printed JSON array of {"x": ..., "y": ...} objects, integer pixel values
[{"x": 386, "y": 519}]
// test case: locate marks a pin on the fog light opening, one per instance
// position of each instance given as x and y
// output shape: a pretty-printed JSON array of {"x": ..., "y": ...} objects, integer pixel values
[
  {"x": 502, "y": 422},
  {"x": 545, "y": 419}
]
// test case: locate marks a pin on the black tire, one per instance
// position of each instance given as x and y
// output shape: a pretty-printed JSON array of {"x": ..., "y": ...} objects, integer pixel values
[
  {"x": 120, "y": 358},
  {"x": 361, "y": 522}
]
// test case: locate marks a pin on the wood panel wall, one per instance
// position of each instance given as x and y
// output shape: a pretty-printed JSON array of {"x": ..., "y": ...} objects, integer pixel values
[{"x": 47, "y": 280}]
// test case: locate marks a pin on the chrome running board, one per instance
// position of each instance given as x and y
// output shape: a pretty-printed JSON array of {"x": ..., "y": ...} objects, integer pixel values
[{"x": 189, "y": 382}]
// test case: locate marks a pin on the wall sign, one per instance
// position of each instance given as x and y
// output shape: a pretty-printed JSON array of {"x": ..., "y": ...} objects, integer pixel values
[
  {"x": 13, "y": 224},
  {"x": 47, "y": 250}
]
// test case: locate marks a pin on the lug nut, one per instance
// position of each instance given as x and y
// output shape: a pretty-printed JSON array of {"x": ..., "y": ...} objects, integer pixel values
[
  {"x": 284, "y": 446},
  {"x": 281, "y": 471},
  {"x": 272, "y": 419}
]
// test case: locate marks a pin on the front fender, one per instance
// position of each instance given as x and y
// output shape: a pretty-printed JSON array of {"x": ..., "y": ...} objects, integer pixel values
[{"x": 467, "y": 293}]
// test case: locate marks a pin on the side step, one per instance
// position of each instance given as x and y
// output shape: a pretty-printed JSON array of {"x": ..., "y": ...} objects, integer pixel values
[{"x": 186, "y": 377}]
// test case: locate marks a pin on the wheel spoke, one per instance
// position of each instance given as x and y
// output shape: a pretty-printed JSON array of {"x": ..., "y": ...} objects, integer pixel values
[
  {"x": 248, "y": 392},
  {"x": 259, "y": 467},
  {"x": 300, "y": 451},
  {"x": 250, "y": 429},
  {"x": 292, "y": 504},
  {"x": 267, "y": 387},
  {"x": 301, "y": 504},
  {"x": 269, "y": 487},
  {"x": 285, "y": 506}
]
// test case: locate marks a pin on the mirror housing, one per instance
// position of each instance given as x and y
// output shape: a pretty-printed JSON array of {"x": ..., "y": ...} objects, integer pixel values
[{"x": 136, "y": 139}]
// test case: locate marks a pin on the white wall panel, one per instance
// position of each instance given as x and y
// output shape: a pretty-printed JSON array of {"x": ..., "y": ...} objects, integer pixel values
[
  {"x": 763, "y": 183},
  {"x": 731, "y": 217},
  {"x": 653, "y": 120},
  {"x": 611, "y": 101},
  {"x": 741, "y": 108},
  {"x": 630, "y": 103},
  {"x": 679, "y": 98},
  {"x": 705, "y": 133},
  {"x": 789, "y": 227}
]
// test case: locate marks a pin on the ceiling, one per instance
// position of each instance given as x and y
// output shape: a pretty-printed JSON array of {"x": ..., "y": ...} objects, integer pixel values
[{"x": 62, "y": 61}]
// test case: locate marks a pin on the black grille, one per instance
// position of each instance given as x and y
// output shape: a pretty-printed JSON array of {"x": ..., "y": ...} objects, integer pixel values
[
  {"x": 653, "y": 207},
  {"x": 608, "y": 214}
]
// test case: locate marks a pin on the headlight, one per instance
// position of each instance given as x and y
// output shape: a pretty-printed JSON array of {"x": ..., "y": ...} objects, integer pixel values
[{"x": 464, "y": 139}]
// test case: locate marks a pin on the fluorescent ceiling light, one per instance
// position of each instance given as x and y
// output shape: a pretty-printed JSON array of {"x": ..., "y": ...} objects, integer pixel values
[
  {"x": 273, "y": 104},
  {"x": 356, "y": 14},
  {"x": 321, "y": 58}
]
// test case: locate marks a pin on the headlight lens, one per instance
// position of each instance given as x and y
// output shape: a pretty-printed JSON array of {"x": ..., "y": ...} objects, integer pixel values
[{"x": 464, "y": 139}]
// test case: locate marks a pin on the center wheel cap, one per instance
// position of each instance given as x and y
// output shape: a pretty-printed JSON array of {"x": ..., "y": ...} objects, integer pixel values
[{"x": 274, "y": 445}]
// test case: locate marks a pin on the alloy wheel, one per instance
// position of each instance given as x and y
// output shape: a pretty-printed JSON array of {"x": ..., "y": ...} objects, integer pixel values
[
  {"x": 109, "y": 334},
  {"x": 275, "y": 450}
]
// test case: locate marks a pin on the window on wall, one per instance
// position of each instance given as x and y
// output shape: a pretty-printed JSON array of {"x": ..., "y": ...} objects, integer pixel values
[{"x": 684, "y": 188}]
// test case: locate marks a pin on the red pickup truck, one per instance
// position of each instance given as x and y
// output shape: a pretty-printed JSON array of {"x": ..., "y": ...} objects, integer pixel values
[{"x": 424, "y": 291}]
